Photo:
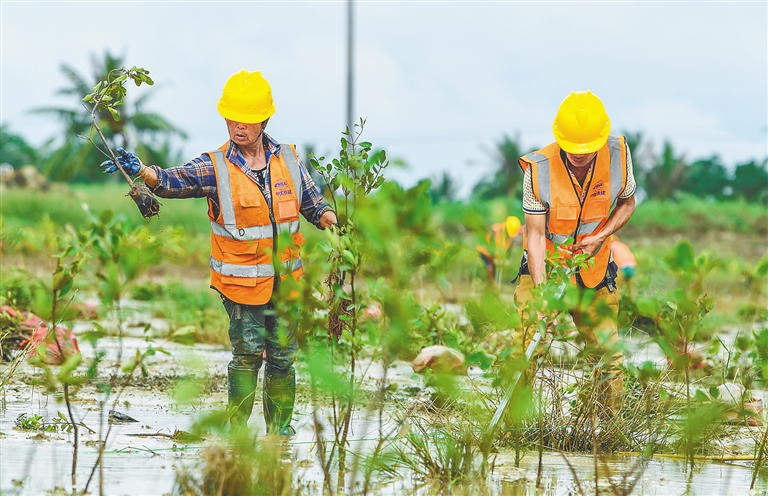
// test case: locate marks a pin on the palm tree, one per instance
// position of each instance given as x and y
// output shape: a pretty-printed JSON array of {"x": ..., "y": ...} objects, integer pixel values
[
  {"x": 145, "y": 133},
  {"x": 14, "y": 149},
  {"x": 507, "y": 179},
  {"x": 444, "y": 188},
  {"x": 667, "y": 175}
]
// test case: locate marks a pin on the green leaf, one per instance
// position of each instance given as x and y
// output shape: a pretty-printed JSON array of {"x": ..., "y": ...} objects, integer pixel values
[
  {"x": 184, "y": 335},
  {"x": 349, "y": 257},
  {"x": 114, "y": 113},
  {"x": 672, "y": 305},
  {"x": 648, "y": 307},
  {"x": 187, "y": 391},
  {"x": 681, "y": 258},
  {"x": 701, "y": 396},
  {"x": 92, "y": 337},
  {"x": 482, "y": 358},
  {"x": 69, "y": 365},
  {"x": 65, "y": 289},
  {"x": 61, "y": 280}
]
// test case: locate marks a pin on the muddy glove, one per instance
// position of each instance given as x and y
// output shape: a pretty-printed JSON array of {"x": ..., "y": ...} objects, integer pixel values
[{"x": 127, "y": 160}]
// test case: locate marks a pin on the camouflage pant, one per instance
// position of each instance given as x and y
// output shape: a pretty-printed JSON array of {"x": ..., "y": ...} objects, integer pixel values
[{"x": 254, "y": 329}]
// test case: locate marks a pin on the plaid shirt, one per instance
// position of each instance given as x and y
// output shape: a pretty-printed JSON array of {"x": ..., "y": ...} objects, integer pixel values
[{"x": 196, "y": 179}]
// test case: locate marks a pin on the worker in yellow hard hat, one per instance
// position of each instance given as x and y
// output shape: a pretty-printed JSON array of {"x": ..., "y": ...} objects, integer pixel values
[
  {"x": 497, "y": 242},
  {"x": 580, "y": 187},
  {"x": 255, "y": 188}
]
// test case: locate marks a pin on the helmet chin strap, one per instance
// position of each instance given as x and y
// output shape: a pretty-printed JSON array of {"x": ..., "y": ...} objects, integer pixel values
[{"x": 263, "y": 128}]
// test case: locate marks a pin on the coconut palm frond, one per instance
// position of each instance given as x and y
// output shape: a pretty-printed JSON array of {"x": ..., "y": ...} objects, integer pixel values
[
  {"x": 152, "y": 124},
  {"x": 78, "y": 87}
]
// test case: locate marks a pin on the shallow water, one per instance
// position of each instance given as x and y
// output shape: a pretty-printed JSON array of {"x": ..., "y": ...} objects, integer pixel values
[
  {"x": 657, "y": 477},
  {"x": 148, "y": 465}
]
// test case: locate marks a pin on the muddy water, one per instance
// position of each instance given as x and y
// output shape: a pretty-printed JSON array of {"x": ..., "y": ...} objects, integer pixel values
[
  {"x": 33, "y": 463},
  {"x": 657, "y": 477}
]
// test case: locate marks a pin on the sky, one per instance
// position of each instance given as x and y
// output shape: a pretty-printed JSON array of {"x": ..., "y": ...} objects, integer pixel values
[{"x": 439, "y": 83}]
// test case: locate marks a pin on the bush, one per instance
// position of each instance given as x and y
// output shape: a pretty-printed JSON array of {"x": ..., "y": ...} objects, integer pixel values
[{"x": 18, "y": 288}]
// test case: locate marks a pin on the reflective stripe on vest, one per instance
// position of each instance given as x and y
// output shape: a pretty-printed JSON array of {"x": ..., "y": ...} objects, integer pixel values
[
  {"x": 227, "y": 207},
  {"x": 293, "y": 167},
  {"x": 253, "y": 233},
  {"x": 566, "y": 215},
  {"x": 245, "y": 259},
  {"x": 617, "y": 174},
  {"x": 264, "y": 270}
]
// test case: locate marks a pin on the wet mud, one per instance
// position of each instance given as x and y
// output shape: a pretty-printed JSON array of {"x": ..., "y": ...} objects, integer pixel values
[{"x": 143, "y": 457}]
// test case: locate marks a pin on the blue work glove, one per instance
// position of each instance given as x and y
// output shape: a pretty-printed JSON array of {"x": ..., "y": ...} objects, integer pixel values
[{"x": 127, "y": 160}]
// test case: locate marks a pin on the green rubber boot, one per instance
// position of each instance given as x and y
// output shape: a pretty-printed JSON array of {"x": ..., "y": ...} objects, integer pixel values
[
  {"x": 241, "y": 390},
  {"x": 279, "y": 397}
]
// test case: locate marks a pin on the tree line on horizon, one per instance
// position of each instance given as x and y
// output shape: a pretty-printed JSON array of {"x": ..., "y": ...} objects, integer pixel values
[{"x": 661, "y": 174}]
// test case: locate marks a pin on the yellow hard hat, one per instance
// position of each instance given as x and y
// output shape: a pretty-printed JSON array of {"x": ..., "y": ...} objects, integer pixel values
[
  {"x": 513, "y": 226},
  {"x": 246, "y": 98},
  {"x": 581, "y": 125}
]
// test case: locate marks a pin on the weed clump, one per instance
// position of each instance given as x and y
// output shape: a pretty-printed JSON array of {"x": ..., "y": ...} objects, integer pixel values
[{"x": 243, "y": 467}]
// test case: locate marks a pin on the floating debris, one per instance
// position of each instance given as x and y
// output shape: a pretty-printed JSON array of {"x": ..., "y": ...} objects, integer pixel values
[{"x": 116, "y": 417}]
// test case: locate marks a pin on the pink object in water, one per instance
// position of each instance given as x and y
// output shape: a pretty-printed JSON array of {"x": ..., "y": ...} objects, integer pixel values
[{"x": 42, "y": 343}]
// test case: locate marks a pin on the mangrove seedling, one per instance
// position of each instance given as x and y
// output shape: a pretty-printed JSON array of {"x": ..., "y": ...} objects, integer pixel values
[{"x": 106, "y": 96}]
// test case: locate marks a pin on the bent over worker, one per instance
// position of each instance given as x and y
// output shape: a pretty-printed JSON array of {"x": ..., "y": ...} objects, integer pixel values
[
  {"x": 582, "y": 187},
  {"x": 256, "y": 189}
]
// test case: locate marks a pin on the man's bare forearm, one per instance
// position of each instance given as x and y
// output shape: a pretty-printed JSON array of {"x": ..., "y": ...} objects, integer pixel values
[
  {"x": 625, "y": 207},
  {"x": 616, "y": 220},
  {"x": 535, "y": 226}
]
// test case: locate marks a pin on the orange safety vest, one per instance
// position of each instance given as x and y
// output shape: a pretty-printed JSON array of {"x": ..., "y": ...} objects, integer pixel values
[
  {"x": 566, "y": 216},
  {"x": 244, "y": 233}
]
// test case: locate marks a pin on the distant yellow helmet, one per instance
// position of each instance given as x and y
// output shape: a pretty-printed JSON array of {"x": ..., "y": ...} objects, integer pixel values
[
  {"x": 581, "y": 125},
  {"x": 513, "y": 226},
  {"x": 247, "y": 98}
]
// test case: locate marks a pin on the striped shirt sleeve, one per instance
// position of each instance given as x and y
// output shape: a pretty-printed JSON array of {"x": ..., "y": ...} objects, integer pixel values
[
  {"x": 195, "y": 179},
  {"x": 313, "y": 204},
  {"x": 531, "y": 205},
  {"x": 631, "y": 185}
]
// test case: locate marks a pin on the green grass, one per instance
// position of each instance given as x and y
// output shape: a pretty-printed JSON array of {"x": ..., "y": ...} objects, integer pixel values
[
  {"x": 732, "y": 231},
  {"x": 64, "y": 204},
  {"x": 185, "y": 305},
  {"x": 691, "y": 217}
]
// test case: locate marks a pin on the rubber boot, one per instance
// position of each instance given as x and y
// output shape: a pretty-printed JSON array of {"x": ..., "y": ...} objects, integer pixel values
[
  {"x": 279, "y": 397},
  {"x": 241, "y": 389}
]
